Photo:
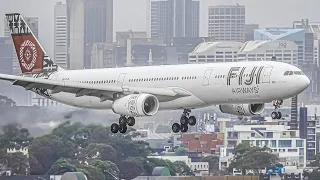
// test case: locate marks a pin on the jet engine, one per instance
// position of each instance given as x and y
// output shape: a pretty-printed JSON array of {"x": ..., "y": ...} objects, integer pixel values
[
  {"x": 136, "y": 105},
  {"x": 242, "y": 109}
]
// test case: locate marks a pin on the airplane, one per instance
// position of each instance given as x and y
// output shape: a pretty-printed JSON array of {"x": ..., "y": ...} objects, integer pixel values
[{"x": 238, "y": 88}]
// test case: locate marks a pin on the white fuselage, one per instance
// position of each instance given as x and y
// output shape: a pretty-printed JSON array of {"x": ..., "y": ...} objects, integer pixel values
[{"x": 208, "y": 84}]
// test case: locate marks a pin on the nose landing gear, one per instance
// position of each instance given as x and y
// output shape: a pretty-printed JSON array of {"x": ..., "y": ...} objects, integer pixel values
[
  {"x": 185, "y": 120},
  {"x": 122, "y": 126},
  {"x": 276, "y": 114}
]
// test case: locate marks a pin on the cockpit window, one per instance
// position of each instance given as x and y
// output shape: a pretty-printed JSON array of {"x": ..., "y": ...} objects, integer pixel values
[
  {"x": 298, "y": 73},
  {"x": 289, "y": 73}
]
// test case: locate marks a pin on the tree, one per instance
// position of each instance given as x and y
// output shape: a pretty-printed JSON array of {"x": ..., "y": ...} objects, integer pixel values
[
  {"x": 62, "y": 166},
  {"x": 316, "y": 161},
  {"x": 101, "y": 151},
  {"x": 108, "y": 168},
  {"x": 252, "y": 158},
  {"x": 314, "y": 175},
  {"x": 213, "y": 163},
  {"x": 180, "y": 151},
  {"x": 182, "y": 169},
  {"x": 17, "y": 163},
  {"x": 49, "y": 148},
  {"x": 125, "y": 148},
  {"x": 92, "y": 172},
  {"x": 14, "y": 136},
  {"x": 130, "y": 169},
  {"x": 6, "y": 101}
]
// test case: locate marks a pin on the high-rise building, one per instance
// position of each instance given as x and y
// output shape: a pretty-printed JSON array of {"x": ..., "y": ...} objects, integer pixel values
[
  {"x": 88, "y": 22},
  {"x": 5, "y": 55},
  {"x": 227, "y": 23},
  {"x": 174, "y": 18},
  {"x": 60, "y": 35},
  {"x": 307, "y": 127},
  {"x": 33, "y": 24},
  {"x": 249, "y": 31}
]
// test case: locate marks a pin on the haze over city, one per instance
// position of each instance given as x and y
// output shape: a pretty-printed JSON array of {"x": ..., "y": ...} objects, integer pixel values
[
  {"x": 266, "y": 13},
  {"x": 135, "y": 89}
]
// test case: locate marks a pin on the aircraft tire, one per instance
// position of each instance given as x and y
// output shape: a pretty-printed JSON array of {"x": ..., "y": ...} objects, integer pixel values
[
  {"x": 123, "y": 129},
  {"x": 123, "y": 120},
  {"x": 279, "y": 115},
  {"x": 131, "y": 121},
  {"x": 176, "y": 127},
  {"x": 184, "y": 120},
  {"x": 192, "y": 121},
  {"x": 114, "y": 128},
  {"x": 184, "y": 128},
  {"x": 274, "y": 115}
]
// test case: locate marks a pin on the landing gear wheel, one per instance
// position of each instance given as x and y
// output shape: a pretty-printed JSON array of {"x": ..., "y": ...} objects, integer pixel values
[
  {"x": 192, "y": 121},
  {"x": 184, "y": 120},
  {"x": 114, "y": 128},
  {"x": 274, "y": 115},
  {"x": 279, "y": 115},
  {"x": 131, "y": 121},
  {"x": 122, "y": 120},
  {"x": 176, "y": 127},
  {"x": 184, "y": 128},
  {"x": 123, "y": 129}
]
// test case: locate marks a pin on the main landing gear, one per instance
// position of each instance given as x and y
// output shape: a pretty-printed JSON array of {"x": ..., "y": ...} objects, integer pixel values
[
  {"x": 122, "y": 126},
  {"x": 276, "y": 114},
  {"x": 185, "y": 120}
]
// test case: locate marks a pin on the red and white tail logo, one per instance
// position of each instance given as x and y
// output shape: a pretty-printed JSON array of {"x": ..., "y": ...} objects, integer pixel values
[
  {"x": 29, "y": 53},
  {"x": 32, "y": 57}
]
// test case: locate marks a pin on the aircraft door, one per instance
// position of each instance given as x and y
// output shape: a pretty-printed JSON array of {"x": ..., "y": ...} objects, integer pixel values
[
  {"x": 206, "y": 77},
  {"x": 121, "y": 79},
  {"x": 266, "y": 74}
]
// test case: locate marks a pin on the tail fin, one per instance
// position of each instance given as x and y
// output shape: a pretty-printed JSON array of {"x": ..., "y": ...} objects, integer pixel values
[{"x": 32, "y": 57}]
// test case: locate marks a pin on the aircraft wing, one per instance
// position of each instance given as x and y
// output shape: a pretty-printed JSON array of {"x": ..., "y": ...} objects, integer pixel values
[{"x": 103, "y": 91}]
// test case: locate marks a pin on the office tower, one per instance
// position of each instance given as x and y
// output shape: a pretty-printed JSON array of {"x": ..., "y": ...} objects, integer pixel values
[
  {"x": 294, "y": 113},
  {"x": 249, "y": 31},
  {"x": 307, "y": 129},
  {"x": 227, "y": 23},
  {"x": 33, "y": 24},
  {"x": 311, "y": 33},
  {"x": 60, "y": 35},
  {"x": 89, "y": 22},
  {"x": 174, "y": 18},
  {"x": 6, "y": 55}
]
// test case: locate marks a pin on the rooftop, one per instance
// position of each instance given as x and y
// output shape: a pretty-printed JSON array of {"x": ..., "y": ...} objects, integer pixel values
[
  {"x": 277, "y": 33},
  {"x": 207, "y": 46},
  {"x": 274, "y": 44}
]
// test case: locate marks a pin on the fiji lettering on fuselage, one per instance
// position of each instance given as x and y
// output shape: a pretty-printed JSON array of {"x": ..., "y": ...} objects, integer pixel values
[{"x": 245, "y": 76}]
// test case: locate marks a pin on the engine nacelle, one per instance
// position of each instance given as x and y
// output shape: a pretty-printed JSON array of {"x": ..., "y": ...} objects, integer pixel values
[
  {"x": 136, "y": 105},
  {"x": 242, "y": 109}
]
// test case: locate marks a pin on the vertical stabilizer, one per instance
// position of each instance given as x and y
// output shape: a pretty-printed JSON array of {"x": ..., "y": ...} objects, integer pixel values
[{"x": 31, "y": 55}]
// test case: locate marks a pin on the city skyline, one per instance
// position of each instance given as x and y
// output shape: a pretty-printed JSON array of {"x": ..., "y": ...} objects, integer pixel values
[{"x": 255, "y": 13}]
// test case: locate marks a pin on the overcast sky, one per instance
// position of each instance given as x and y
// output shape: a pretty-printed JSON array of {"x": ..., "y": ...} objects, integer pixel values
[{"x": 131, "y": 14}]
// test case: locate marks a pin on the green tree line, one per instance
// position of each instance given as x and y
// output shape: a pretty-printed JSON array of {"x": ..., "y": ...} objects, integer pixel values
[{"x": 91, "y": 149}]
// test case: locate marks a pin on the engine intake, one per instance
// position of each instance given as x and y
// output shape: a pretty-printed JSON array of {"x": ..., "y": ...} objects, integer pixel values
[
  {"x": 242, "y": 109},
  {"x": 136, "y": 105}
]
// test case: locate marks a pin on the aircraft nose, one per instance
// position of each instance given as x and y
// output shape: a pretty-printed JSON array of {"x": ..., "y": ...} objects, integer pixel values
[{"x": 304, "y": 82}]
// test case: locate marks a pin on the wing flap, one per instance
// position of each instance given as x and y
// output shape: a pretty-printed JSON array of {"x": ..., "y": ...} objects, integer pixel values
[{"x": 80, "y": 89}]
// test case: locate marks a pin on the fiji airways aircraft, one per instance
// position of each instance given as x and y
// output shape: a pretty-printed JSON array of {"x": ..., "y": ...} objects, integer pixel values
[{"x": 239, "y": 88}]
